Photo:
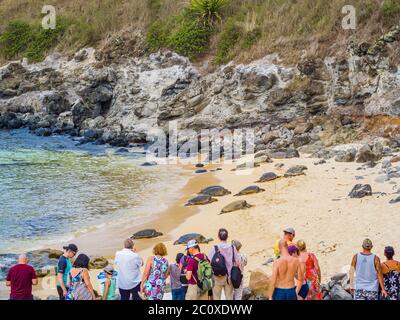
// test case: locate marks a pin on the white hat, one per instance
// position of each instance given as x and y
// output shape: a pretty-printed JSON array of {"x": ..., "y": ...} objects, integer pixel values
[
  {"x": 290, "y": 230},
  {"x": 191, "y": 244}
]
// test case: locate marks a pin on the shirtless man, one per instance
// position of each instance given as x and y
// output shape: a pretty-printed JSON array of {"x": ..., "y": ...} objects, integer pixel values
[{"x": 284, "y": 271}]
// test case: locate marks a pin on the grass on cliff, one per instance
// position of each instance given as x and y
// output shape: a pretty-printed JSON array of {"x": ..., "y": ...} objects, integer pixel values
[{"x": 241, "y": 29}]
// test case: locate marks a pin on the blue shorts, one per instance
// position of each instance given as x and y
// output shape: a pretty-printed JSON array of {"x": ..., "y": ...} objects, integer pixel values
[
  {"x": 304, "y": 291},
  {"x": 284, "y": 294}
]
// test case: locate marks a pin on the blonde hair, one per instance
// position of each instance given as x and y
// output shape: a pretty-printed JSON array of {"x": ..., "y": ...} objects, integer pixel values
[
  {"x": 160, "y": 250},
  {"x": 301, "y": 245}
]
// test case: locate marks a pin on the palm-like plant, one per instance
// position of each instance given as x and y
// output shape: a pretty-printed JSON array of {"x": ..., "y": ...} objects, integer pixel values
[{"x": 209, "y": 10}]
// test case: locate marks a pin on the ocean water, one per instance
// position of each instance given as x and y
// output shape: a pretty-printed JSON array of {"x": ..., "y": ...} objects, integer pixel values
[{"x": 51, "y": 188}]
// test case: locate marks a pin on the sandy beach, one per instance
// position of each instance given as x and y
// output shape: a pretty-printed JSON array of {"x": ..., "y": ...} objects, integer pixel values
[{"x": 316, "y": 205}]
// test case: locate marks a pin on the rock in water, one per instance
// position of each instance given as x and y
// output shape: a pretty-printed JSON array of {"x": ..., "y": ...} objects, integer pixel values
[
  {"x": 250, "y": 190},
  {"x": 215, "y": 191},
  {"x": 146, "y": 234},
  {"x": 192, "y": 236},
  {"x": 360, "y": 191},
  {"x": 338, "y": 293},
  {"x": 295, "y": 171},
  {"x": 98, "y": 263},
  {"x": 234, "y": 206},
  {"x": 268, "y": 176},
  {"x": 200, "y": 200}
]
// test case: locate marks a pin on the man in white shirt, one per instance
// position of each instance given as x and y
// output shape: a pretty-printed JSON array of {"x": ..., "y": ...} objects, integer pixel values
[{"x": 128, "y": 264}]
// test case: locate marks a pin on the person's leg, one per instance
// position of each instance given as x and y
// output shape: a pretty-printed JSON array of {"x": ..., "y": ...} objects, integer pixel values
[
  {"x": 175, "y": 294},
  {"x": 238, "y": 293},
  {"x": 60, "y": 293},
  {"x": 228, "y": 290},
  {"x": 125, "y": 294},
  {"x": 218, "y": 285},
  {"x": 135, "y": 292}
]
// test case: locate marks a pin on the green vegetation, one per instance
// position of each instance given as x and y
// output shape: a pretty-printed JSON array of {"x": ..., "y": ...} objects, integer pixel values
[
  {"x": 391, "y": 8},
  {"x": 33, "y": 42},
  {"x": 242, "y": 30},
  {"x": 208, "y": 10}
]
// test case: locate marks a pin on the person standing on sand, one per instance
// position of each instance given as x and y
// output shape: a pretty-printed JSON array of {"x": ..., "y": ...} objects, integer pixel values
[
  {"x": 391, "y": 275},
  {"x": 238, "y": 293},
  {"x": 79, "y": 284},
  {"x": 288, "y": 235},
  {"x": 155, "y": 274},
  {"x": 313, "y": 272},
  {"x": 110, "y": 285},
  {"x": 284, "y": 270},
  {"x": 294, "y": 252},
  {"x": 223, "y": 257},
  {"x": 64, "y": 266},
  {"x": 193, "y": 291},
  {"x": 175, "y": 276},
  {"x": 367, "y": 267},
  {"x": 20, "y": 278},
  {"x": 128, "y": 264}
]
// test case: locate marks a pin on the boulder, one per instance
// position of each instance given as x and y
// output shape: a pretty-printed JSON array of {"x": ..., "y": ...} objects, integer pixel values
[
  {"x": 346, "y": 156},
  {"x": 304, "y": 127},
  {"x": 365, "y": 154},
  {"x": 396, "y": 200},
  {"x": 98, "y": 263},
  {"x": 259, "y": 283},
  {"x": 360, "y": 191},
  {"x": 284, "y": 153},
  {"x": 338, "y": 293}
]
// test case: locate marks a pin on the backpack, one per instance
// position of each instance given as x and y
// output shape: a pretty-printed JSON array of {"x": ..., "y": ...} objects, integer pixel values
[
  {"x": 218, "y": 263},
  {"x": 236, "y": 273},
  {"x": 204, "y": 274}
]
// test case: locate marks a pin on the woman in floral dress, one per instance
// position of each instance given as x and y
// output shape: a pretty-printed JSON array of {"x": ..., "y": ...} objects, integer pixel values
[
  {"x": 313, "y": 272},
  {"x": 391, "y": 275},
  {"x": 155, "y": 274}
]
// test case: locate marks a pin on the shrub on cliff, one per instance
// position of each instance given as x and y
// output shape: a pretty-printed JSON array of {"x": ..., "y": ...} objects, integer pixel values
[
  {"x": 15, "y": 39},
  {"x": 208, "y": 10},
  {"x": 391, "y": 7}
]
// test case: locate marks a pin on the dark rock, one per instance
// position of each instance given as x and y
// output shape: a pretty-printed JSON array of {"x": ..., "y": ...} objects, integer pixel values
[
  {"x": 98, "y": 263},
  {"x": 360, "y": 191},
  {"x": 338, "y": 293},
  {"x": 393, "y": 201},
  {"x": 149, "y": 164},
  {"x": 284, "y": 153},
  {"x": 365, "y": 154},
  {"x": 346, "y": 156}
]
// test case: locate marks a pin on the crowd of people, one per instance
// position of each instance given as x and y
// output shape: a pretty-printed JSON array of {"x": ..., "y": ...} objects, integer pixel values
[{"x": 194, "y": 275}]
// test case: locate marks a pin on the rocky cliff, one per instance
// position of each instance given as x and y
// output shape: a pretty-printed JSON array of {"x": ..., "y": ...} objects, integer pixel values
[{"x": 111, "y": 96}]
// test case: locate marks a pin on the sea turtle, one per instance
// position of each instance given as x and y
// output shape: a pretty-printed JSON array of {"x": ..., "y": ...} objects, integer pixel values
[
  {"x": 201, "y": 199},
  {"x": 234, "y": 206},
  {"x": 192, "y": 236},
  {"x": 268, "y": 176},
  {"x": 146, "y": 234},
  {"x": 294, "y": 171},
  {"x": 215, "y": 191},
  {"x": 250, "y": 190}
]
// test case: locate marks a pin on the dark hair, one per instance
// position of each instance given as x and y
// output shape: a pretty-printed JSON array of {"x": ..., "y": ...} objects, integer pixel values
[
  {"x": 223, "y": 234},
  {"x": 196, "y": 247},
  {"x": 82, "y": 261},
  {"x": 389, "y": 252},
  {"x": 179, "y": 257}
]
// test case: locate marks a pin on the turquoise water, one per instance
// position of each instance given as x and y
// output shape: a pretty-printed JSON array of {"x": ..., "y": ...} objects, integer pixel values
[{"x": 51, "y": 188}]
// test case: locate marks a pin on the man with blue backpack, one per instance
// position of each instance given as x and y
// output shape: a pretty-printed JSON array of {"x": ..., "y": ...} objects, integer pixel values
[
  {"x": 198, "y": 273},
  {"x": 225, "y": 263}
]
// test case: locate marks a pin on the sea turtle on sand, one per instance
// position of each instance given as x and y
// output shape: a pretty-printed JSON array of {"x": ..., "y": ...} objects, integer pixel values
[
  {"x": 201, "y": 199},
  {"x": 268, "y": 176},
  {"x": 192, "y": 236},
  {"x": 215, "y": 191},
  {"x": 146, "y": 234},
  {"x": 234, "y": 206},
  {"x": 250, "y": 190}
]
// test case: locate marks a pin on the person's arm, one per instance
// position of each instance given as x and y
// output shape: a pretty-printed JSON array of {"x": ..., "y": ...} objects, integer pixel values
[
  {"x": 236, "y": 258},
  {"x": 107, "y": 284},
  {"x": 146, "y": 272},
  {"x": 380, "y": 276},
  {"x": 273, "y": 279},
  {"x": 8, "y": 279},
  {"x": 189, "y": 269},
  {"x": 351, "y": 273},
  {"x": 34, "y": 278},
  {"x": 61, "y": 268},
  {"x": 317, "y": 267},
  {"x": 86, "y": 278},
  {"x": 300, "y": 277}
]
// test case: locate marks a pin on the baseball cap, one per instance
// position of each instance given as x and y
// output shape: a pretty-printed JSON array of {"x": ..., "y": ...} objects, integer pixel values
[
  {"x": 289, "y": 230},
  {"x": 367, "y": 244},
  {"x": 71, "y": 247},
  {"x": 191, "y": 244}
]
